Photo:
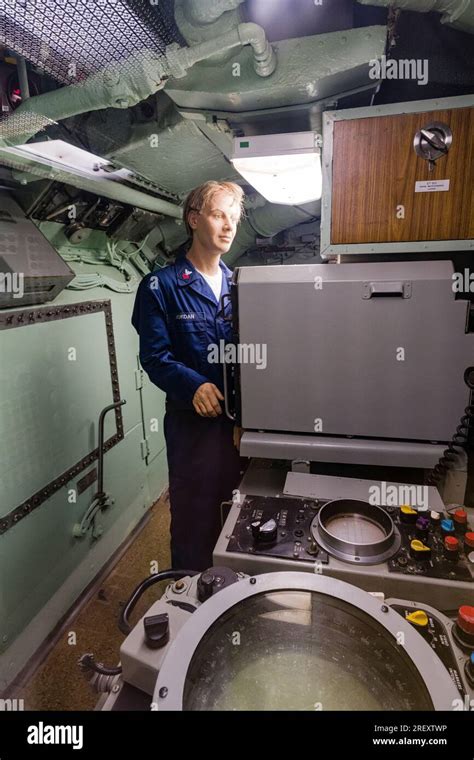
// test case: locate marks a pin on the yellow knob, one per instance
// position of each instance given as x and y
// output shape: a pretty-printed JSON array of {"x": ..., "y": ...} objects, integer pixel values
[
  {"x": 419, "y": 546},
  {"x": 418, "y": 617},
  {"x": 407, "y": 510}
]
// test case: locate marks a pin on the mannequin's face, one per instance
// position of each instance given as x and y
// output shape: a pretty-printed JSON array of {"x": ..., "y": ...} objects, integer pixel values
[{"x": 214, "y": 227}]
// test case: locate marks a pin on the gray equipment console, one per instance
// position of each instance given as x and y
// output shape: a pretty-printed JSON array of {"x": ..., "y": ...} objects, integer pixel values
[
  {"x": 359, "y": 363},
  {"x": 275, "y": 524},
  {"x": 226, "y": 641}
]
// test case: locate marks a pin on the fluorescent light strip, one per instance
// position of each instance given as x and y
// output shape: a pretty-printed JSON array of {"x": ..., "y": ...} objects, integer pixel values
[
  {"x": 285, "y": 169},
  {"x": 60, "y": 155}
]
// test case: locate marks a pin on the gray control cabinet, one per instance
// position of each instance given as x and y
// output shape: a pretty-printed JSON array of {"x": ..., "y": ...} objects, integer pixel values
[{"x": 375, "y": 350}]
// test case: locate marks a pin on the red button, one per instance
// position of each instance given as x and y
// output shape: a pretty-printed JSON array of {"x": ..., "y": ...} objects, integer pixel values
[
  {"x": 466, "y": 619},
  {"x": 451, "y": 543},
  {"x": 460, "y": 516},
  {"x": 469, "y": 539}
]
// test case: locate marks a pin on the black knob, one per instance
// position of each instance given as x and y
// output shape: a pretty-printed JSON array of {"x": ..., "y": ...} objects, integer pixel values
[
  {"x": 265, "y": 532},
  {"x": 213, "y": 580},
  {"x": 157, "y": 630},
  {"x": 408, "y": 515},
  {"x": 205, "y": 585},
  {"x": 313, "y": 548}
]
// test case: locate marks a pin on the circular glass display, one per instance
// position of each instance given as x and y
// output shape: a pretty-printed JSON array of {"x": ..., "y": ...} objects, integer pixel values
[
  {"x": 355, "y": 529},
  {"x": 301, "y": 650}
]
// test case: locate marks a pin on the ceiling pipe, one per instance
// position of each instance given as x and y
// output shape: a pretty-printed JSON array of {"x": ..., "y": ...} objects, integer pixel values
[
  {"x": 22, "y": 77},
  {"x": 201, "y": 20},
  {"x": 130, "y": 83},
  {"x": 457, "y": 13},
  {"x": 121, "y": 87},
  {"x": 203, "y": 12},
  {"x": 266, "y": 221}
]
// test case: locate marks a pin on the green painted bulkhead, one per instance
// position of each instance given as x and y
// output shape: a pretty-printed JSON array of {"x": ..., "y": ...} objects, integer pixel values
[{"x": 56, "y": 379}]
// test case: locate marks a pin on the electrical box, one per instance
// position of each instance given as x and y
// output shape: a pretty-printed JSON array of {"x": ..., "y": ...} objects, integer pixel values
[
  {"x": 399, "y": 178},
  {"x": 31, "y": 271}
]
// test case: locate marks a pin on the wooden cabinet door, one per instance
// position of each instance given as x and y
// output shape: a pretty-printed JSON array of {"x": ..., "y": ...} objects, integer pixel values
[{"x": 374, "y": 172}]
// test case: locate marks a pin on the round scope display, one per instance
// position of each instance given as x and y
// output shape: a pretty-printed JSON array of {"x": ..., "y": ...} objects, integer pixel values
[{"x": 301, "y": 650}]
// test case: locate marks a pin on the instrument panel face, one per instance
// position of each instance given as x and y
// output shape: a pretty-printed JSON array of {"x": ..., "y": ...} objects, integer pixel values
[
  {"x": 293, "y": 519},
  {"x": 289, "y": 528},
  {"x": 437, "y": 636},
  {"x": 438, "y": 566}
]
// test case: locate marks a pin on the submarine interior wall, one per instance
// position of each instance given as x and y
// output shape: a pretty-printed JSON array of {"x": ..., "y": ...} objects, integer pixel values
[{"x": 56, "y": 379}]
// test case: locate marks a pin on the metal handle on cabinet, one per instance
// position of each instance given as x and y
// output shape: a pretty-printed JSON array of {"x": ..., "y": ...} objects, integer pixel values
[
  {"x": 222, "y": 309},
  {"x": 226, "y": 395},
  {"x": 386, "y": 289}
]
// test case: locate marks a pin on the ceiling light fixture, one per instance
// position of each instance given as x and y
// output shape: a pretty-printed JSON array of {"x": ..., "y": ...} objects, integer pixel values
[
  {"x": 284, "y": 168},
  {"x": 58, "y": 154}
]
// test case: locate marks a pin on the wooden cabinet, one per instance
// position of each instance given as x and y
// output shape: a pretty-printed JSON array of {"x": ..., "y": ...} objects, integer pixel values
[{"x": 380, "y": 196}]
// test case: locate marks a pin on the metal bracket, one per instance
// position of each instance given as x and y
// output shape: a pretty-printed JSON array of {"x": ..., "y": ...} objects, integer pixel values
[
  {"x": 145, "y": 448},
  {"x": 138, "y": 379},
  {"x": 101, "y": 499}
]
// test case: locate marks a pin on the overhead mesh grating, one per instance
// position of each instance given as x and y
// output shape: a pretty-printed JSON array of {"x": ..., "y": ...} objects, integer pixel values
[{"x": 71, "y": 39}]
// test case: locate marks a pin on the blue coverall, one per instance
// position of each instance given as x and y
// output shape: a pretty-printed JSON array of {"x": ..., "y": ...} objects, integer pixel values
[{"x": 177, "y": 318}]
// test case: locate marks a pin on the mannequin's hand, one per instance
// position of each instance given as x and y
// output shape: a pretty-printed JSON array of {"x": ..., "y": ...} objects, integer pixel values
[{"x": 206, "y": 400}]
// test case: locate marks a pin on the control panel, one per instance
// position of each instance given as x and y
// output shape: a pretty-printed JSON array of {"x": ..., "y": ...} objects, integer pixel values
[{"x": 433, "y": 544}]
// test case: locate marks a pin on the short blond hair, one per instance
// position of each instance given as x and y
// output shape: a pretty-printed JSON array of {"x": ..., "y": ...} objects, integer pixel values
[{"x": 203, "y": 194}]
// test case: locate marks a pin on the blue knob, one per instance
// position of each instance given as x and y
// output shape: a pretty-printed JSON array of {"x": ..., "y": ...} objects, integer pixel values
[{"x": 447, "y": 526}]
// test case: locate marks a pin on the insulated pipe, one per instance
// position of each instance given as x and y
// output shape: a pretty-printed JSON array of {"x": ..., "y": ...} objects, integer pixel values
[
  {"x": 23, "y": 78},
  {"x": 268, "y": 220},
  {"x": 202, "y": 20},
  {"x": 114, "y": 87},
  {"x": 201, "y": 12},
  {"x": 126, "y": 85},
  {"x": 457, "y": 13},
  {"x": 181, "y": 59}
]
